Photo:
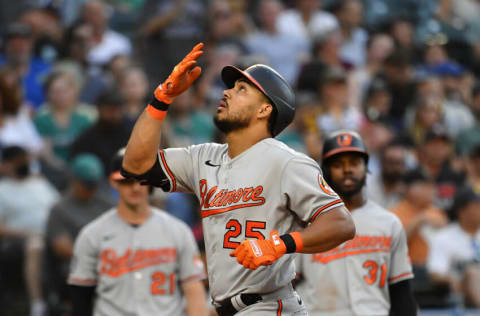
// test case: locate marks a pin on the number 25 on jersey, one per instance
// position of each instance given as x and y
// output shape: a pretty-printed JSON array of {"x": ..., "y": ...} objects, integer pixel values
[{"x": 234, "y": 230}]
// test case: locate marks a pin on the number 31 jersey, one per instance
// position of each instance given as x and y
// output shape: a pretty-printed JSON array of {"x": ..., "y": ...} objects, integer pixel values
[
  {"x": 269, "y": 186},
  {"x": 353, "y": 278}
]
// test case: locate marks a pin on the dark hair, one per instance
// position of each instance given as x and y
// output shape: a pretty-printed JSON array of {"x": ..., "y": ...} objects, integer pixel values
[
  {"x": 11, "y": 95},
  {"x": 396, "y": 142},
  {"x": 12, "y": 152},
  {"x": 69, "y": 38},
  {"x": 110, "y": 97},
  {"x": 398, "y": 59}
]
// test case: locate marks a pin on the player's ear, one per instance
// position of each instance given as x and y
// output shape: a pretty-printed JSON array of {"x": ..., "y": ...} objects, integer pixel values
[{"x": 265, "y": 110}]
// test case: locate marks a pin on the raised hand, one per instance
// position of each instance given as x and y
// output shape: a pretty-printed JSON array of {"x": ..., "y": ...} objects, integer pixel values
[{"x": 182, "y": 76}]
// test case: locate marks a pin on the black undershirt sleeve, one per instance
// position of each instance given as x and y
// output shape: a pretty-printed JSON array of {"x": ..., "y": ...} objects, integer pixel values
[
  {"x": 82, "y": 300},
  {"x": 402, "y": 300},
  {"x": 154, "y": 177}
]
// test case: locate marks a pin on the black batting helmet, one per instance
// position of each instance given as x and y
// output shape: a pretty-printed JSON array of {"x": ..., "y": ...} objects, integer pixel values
[
  {"x": 272, "y": 85},
  {"x": 342, "y": 141}
]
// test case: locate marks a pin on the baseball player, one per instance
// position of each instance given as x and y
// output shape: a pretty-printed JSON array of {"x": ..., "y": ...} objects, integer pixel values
[
  {"x": 256, "y": 194},
  {"x": 370, "y": 274},
  {"x": 136, "y": 260}
]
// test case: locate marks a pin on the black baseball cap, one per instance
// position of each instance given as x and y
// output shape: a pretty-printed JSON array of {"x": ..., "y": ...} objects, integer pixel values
[
  {"x": 416, "y": 175},
  {"x": 464, "y": 197}
]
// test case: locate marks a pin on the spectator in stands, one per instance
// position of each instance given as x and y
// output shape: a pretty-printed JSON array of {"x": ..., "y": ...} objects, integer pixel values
[
  {"x": 306, "y": 21},
  {"x": 388, "y": 187},
  {"x": 349, "y": 14},
  {"x": 106, "y": 42},
  {"x": 469, "y": 138},
  {"x": 461, "y": 15},
  {"x": 336, "y": 113},
  {"x": 326, "y": 54},
  {"x": 228, "y": 24},
  {"x": 455, "y": 252},
  {"x": 171, "y": 28},
  {"x": 108, "y": 134},
  {"x": 76, "y": 45},
  {"x": 116, "y": 68},
  {"x": 455, "y": 115},
  {"x": 377, "y": 134},
  {"x": 402, "y": 30},
  {"x": 25, "y": 200},
  {"x": 378, "y": 101},
  {"x": 473, "y": 167},
  {"x": 435, "y": 159},
  {"x": 428, "y": 113},
  {"x": 16, "y": 127},
  {"x": 60, "y": 121},
  {"x": 419, "y": 216},
  {"x": 134, "y": 87},
  {"x": 379, "y": 46},
  {"x": 281, "y": 51},
  {"x": 63, "y": 118},
  {"x": 18, "y": 58},
  {"x": 398, "y": 73},
  {"x": 47, "y": 31},
  {"x": 78, "y": 207}
]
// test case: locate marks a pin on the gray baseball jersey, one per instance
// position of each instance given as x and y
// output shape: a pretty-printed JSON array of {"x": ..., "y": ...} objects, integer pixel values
[
  {"x": 353, "y": 278},
  {"x": 269, "y": 186},
  {"x": 137, "y": 270}
]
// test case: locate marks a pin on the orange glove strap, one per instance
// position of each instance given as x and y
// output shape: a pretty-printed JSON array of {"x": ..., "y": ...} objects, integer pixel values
[
  {"x": 156, "y": 114},
  {"x": 157, "y": 109}
]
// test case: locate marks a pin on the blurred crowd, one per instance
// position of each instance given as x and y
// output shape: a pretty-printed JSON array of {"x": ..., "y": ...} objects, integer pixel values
[{"x": 75, "y": 75}]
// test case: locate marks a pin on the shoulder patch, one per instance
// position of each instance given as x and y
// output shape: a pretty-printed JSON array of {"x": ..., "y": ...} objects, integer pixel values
[{"x": 324, "y": 186}]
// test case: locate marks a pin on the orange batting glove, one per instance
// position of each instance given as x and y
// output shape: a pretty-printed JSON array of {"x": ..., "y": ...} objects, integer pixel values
[
  {"x": 182, "y": 77},
  {"x": 253, "y": 253}
]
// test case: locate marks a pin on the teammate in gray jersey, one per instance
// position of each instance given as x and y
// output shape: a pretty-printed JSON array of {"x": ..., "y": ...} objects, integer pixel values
[
  {"x": 136, "y": 260},
  {"x": 259, "y": 199},
  {"x": 370, "y": 274}
]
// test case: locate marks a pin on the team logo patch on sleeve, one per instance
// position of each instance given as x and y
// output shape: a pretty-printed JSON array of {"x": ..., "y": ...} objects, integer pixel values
[{"x": 324, "y": 186}]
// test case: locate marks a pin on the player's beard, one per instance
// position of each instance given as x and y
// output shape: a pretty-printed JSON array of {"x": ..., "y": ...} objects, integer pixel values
[
  {"x": 230, "y": 124},
  {"x": 347, "y": 193}
]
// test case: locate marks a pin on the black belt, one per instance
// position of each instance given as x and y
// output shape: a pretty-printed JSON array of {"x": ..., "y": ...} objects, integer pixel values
[{"x": 226, "y": 308}]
